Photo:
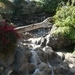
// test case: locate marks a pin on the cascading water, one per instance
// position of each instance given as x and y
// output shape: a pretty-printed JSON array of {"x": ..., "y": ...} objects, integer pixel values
[
  {"x": 48, "y": 62},
  {"x": 34, "y": 60},
  {"x": 50, "y": 67}
]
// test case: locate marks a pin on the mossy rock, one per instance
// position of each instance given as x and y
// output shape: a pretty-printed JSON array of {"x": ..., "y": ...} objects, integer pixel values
[
  {"x": 64, "y": 21},
  {"x": 57, "y": 40}
]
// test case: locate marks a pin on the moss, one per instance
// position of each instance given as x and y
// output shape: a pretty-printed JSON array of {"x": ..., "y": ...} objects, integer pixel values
[{"x": 66, "y": 31}]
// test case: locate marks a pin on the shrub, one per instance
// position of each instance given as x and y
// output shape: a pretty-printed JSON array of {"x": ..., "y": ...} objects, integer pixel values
[
  {"x": 65, "y": 21},
  {"x": 8, "y": 37},
  {"x": 65, "y": 16}
]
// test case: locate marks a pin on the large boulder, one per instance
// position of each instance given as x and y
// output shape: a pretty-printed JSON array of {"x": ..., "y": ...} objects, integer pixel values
[{"x": 57, "y": 41}]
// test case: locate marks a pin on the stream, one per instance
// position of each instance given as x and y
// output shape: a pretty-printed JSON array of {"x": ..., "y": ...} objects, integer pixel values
[{"x": 35, "y": 59}]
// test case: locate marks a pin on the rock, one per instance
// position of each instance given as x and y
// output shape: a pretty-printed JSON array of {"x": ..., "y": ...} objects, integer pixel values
[
  {"x": 23, "y": 51},
  {"x": 72, "y": 68},
  {"x": 27, "y": 35},
  {"x": 70, "y": 59},
  {"x": 43, "y": 42},
  {"x": 42, "y": 66},
  {"x": 28, "y": 55},
  {"x": 62, "y": 55},
  {"x": 24, "y": 67},
  {"x": 49, "y": 51},
  {"x": 57, "y": 41},
  {"x": 6, "y": 60},
  {"x": 62, "y": 69},
  {"x": 42, "y": 55},
  {"x": 45, "y": 69},
  {"x": 31, "y": 68},
  {"x": 53, "y": 57}
]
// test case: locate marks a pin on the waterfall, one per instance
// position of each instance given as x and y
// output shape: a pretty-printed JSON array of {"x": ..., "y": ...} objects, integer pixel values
[
  {"x": 50, "y": 67},
  {"x": 34, "y": 60},
  {"x": 44, "y": 49}
]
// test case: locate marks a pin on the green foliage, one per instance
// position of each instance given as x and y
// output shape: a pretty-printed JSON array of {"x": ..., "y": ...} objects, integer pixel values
[
  {"x": 65, "y": 16},
  {"x": 65, "y": 21},
  {"x": 48, "y": 5},
  {"x": 66, "y": 31}
]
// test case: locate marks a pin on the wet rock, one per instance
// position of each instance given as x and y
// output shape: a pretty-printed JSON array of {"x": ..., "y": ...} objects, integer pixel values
[
  {"x": 62, "y": 55},
  {"x": 28, "y": 55},
  {"x": 23, "y": 67},
  {"x": 44, "y": 68},
  {"x": 52, "y": 56},
  {"x": 42, "y": 55},
  {"x": 27, "y": 35},
  {"x": 43, "y": 42},
  {"x": 49, "y": 51},
  {"x": 24, "y": 51},
  {"x": 31, "y": 68}
]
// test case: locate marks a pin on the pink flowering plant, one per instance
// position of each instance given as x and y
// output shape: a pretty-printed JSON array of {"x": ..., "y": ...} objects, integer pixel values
[{"x": 8, "y": 36}]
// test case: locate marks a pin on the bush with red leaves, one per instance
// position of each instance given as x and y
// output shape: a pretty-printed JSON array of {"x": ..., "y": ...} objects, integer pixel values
[{"x": 8, "y": 36}]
